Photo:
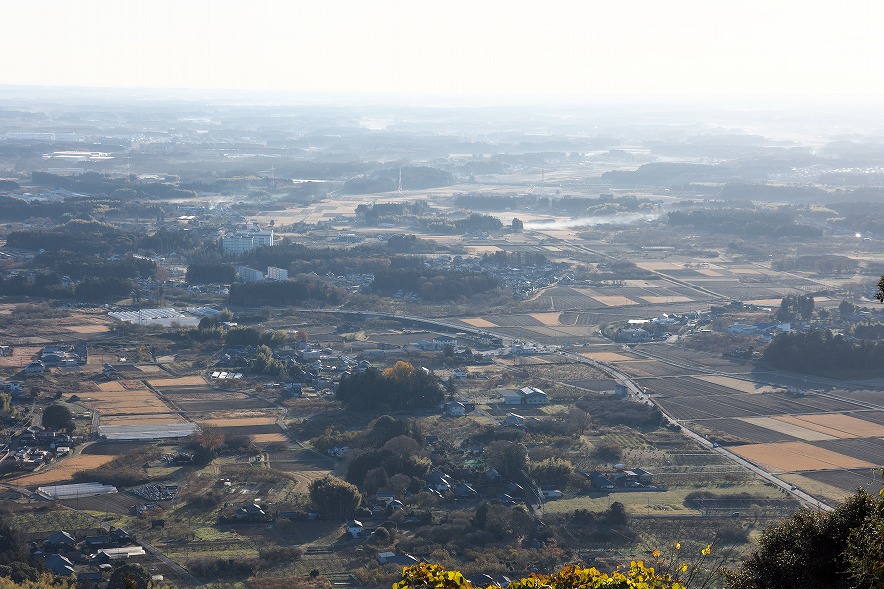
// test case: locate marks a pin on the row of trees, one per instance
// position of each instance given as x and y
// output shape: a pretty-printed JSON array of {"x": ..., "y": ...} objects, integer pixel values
[
  {"x": 752, "y": 223},
  {"x": 821, "y": 352},
  {"x": 78, "y": 235},
  {"x": 286, "y": 292},
  {"x": 432, "y": 284},
  {"x": 127, "y": 188},
  {"x": 50, "y": 285}
]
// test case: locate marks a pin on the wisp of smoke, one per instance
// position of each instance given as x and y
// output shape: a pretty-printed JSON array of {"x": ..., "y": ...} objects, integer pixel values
[{"x": 620, "y": 219}]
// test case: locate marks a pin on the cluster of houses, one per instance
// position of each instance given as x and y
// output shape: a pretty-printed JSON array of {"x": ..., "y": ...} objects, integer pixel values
[
  {"x": 64, "y": 355},
  {"x": 36, "y": 446},
  {"x": 58, "y": 355},
  {"x": 11, "y": 386},
  {"x": 90, "y": 558}
]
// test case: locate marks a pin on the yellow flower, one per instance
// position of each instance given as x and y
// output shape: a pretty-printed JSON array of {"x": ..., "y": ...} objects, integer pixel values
[
  {"x": 678, "y": 545},
  {"x": 706, "y": 551},
  {"x": 684, "y": 567},
  {"x": 656, "y": 554}
]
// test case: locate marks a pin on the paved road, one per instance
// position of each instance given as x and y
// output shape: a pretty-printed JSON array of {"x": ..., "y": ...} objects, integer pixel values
[
  {"x": 637, "y": 392},
  {"x": 180, "y": 570}
]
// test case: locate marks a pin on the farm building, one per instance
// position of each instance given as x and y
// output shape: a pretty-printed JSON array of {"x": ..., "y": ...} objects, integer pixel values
[
  {"x": 75, "y": 491},
  {"x": 147, "y": 431}
]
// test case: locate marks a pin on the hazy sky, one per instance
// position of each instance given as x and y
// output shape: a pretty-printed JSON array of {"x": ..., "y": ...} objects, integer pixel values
[{"x": 578, "y": 51}]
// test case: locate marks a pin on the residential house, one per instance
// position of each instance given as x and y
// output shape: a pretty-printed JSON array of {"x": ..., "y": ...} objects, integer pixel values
[
  {"x": 35, "y": 367},
  {"x": 533, "y": 396},
  {"x": 641, "y": 475},
  {"x": 465, "y": 491},
  {"x": 93, "y": 543},
  {"x": 514, "y": 420},
  {"x": 355, "y": 528},
  {"x": 438, "y": 481},
  {"x": 60, "y": 542},
  {"x": 59, "y": 565},
  {"x": 511, "y": 397},
  {"x": 600, "y": 481},
  {"x": 455, "y": 409}
]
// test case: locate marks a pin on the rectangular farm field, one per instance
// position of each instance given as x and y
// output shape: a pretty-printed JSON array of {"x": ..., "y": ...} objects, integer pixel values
[
  {"x": 868, "y": 449},
  {"x": 850, "y": 480},
  {"x": 748, "y": 432}
]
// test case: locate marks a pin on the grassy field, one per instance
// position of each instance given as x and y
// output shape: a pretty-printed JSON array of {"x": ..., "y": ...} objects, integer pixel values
[{"x": 655, "y": 503}]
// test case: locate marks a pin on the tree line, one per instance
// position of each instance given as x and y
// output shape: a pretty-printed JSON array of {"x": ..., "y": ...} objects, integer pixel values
[
  {"x": 822, "y": 352},
  {"x": 285, "y": 293},
  {"x": 431, "y": 283},
  {"x": 401, "y": 386}
]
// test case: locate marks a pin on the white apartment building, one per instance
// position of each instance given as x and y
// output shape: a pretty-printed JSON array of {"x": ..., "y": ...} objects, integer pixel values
[
  {"x": 246, "y": 240},
  {"x": 247, "y": 274},
  {"x": 274, "y": 273}
]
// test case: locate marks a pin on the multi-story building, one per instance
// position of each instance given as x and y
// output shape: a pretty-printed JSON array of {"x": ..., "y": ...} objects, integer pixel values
[
  {"x": 274, "y": 273},
  {"x": 246, "y": 240},
  {"x": 247, "y": 274}
]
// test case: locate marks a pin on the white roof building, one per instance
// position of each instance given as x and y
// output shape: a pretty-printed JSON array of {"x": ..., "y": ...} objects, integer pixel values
[{"x": 246, "y": 240}]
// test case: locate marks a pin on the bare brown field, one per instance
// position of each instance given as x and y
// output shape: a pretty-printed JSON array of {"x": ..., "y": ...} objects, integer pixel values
[
  {"x": 88, "y": 328},
  {"x": 744, "y": 386},
  {"x": 745, "y": 271},
  {"x": 801, "y": 422},
  {"x": 606, "y": 356},
  {"x": 796, "y": 456},
  {"x": 63, "y": 470},
  {"x": 238, "y": 422},
  {"x": 184, "y": 381},
  {"x": 613, "y": 300},
  {"x": 129, "y": 402},
  {"x": 151, "y": 369},
  {"x": 765, "y": 302},
  {"x": 19, "y": 358},
  {"x": 852, "y": 426},
  {"x": 121, "y": 387},
  {"x": 708, "y": 272},
  {"x": 659, "y": 266},
  {"x": 789, "y": 429},
  {"x": 483, "y": 249},
  {"x": 548, "y": 319},
  {"x": 97, "y": 360},
  {"x": 478, "y": 322},
  {"x": 137, "y": 419},
  {"x": 267, "y": 438}
]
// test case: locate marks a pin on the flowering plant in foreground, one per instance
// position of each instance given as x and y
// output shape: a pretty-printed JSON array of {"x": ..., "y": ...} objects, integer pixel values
[{"x": 671, "y": 573}]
